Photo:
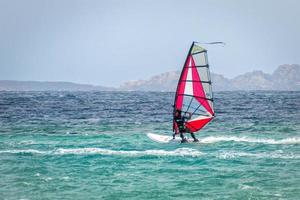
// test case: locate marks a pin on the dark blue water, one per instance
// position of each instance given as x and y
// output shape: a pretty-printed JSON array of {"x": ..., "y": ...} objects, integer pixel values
[{"x": 93, "y": 145}]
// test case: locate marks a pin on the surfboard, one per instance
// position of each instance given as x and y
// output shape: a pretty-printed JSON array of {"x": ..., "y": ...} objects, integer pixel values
[{"x": 166, "y": 139}]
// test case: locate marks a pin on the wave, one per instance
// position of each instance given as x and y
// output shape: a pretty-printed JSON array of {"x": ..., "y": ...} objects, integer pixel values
[
  {"x": 90, "y": 151},
  {"x": 275, "y": 154},
  {"x": 24, "y": 151},
  {"x": 27, "y": 142},
  {"x": 205, "y": 140},
  {"x": 154, "y": 152},
  {"x": 180, "y": 152},
  {"x": 215, "y": 139}
]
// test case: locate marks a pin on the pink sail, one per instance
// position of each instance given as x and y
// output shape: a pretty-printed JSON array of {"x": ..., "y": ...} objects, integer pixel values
[
  {"x": 194, "y": 93},
  {"x": 181, "y": 87}
]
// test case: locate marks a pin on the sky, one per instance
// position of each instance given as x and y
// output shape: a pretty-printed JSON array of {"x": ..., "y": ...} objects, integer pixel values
[{"x": 108, "y": 42}]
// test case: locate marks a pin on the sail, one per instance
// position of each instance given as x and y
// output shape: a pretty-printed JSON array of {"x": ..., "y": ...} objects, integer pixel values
[{"x": 194, "y": 92}]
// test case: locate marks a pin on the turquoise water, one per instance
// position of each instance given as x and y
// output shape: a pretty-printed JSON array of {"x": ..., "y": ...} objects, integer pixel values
[{"x": 93, "y": 145}]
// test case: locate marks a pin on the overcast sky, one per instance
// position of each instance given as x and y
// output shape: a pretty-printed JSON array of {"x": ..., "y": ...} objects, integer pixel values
[{"x": 109, "y": 42}]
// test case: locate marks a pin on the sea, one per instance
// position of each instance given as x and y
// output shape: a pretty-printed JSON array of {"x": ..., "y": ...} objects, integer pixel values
[{"x": 94, "y": 145}]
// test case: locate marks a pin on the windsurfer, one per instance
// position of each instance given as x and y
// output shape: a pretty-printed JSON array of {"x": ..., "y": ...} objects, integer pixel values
[{"x": 181, "y": 129}]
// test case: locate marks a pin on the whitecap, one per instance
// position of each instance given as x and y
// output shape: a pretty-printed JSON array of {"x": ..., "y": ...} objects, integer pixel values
[
  {"x": 215, "y": 139},
  {"x": 65, "y": 178},
  {"x": 26, "y": 142},
  {"x": 48, "y": 179},
  {"x": 152, "y": 152},
  {"x": 246, "y": 187},
  {"x": 276, "y": 154},
  {"x": 33, "y": 151}
]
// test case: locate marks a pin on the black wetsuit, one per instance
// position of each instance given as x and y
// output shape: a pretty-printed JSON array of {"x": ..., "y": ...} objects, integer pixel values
[
  {"x": 179, "y": 120},
  {"x": 180, "y": 123}
]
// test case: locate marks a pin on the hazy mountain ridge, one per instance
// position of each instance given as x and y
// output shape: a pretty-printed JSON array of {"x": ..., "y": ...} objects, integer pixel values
[
  {"x": 8, "y": 85},
  {"x": 164, "y": 82},
  {"x": 285, "y": 77}
]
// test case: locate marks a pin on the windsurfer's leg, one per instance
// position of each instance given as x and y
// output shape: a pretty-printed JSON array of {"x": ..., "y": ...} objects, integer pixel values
[
  {"x": 193, "y": 136},
  {"x": 183, "y": 139},
  {"x": 174, "y": 136}
]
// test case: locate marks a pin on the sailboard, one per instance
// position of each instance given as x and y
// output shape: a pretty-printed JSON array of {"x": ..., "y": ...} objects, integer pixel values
[
  {"x": 166, "y": 139},
  {"x": 194, "y": 97}
]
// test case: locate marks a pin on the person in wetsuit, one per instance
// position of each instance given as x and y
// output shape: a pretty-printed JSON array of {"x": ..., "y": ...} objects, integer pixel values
[{"x": 181, "y": 129}]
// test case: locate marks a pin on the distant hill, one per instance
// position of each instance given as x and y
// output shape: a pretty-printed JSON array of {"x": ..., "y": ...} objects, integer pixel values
[
  {"x": 6, "y": 85},
  {"x": 285, "y": 77},
  {"x": 163, "y": 82}
]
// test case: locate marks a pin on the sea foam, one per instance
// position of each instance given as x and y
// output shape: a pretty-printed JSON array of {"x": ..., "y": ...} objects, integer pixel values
[
  {"x": 262, "y": 155},
  {"x": 153, "y": 152},
  {"x": 179, "y": 152},
  {"x": 215, "y": 139},
  {"x": 24, "y": 151},
  {"x": 100, "y": 151}
]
